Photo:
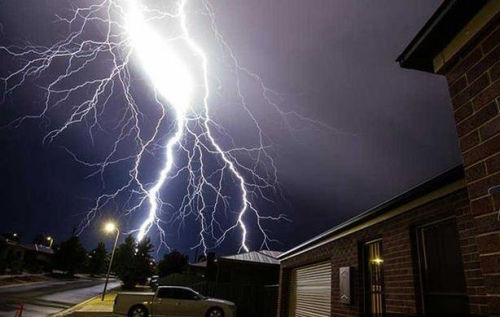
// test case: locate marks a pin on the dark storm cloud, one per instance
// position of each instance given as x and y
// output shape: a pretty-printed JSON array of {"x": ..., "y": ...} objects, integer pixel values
[{"x": 331, "y": 61}]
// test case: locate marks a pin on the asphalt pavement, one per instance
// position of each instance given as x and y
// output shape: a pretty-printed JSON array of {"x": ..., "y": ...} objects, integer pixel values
[{"x": 43, "y": 299}]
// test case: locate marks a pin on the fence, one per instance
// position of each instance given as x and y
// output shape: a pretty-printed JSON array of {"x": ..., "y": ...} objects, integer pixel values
[{"x": 252, "y": 300}]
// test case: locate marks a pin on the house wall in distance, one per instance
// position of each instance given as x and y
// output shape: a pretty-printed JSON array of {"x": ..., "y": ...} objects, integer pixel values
[
  {"x": 400, "y": 273},
  {"x": 474, "y": 84},
  {"x": 247, "y": 273}
]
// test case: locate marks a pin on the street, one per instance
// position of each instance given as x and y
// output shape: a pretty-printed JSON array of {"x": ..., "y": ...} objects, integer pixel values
[{"x": 49, "y": 297}]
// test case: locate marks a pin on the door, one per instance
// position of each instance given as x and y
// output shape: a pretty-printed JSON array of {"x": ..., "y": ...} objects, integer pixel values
[
  {"x": 164, "y": 304},
  {"x": 373, "y": 278},
  {"x": 310, "y": 291},
  {"x": 441, "y": 269}
]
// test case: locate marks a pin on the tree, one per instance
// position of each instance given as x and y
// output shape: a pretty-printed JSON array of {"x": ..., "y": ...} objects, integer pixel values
[
  {"x": 132, "y": 261},
  {"x": 143, "y": 264},
  {"x": 173, "y": 262},
  {"x": 123, "y": 263},
  {"x": 98, "y": 259},
  {"x": 70, "y": 256}
]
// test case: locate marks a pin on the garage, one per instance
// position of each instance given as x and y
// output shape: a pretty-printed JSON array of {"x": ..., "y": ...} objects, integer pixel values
[{"x": 310, "y": 291}]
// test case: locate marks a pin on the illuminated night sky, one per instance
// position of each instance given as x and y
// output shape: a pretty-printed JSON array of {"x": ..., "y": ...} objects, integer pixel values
[{"x": 345, "y": 127}]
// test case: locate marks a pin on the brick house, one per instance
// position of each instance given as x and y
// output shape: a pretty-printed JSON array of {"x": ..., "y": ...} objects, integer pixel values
[
  {"x": 436, "y": 248},
  {"x": 244, "y": 278}
]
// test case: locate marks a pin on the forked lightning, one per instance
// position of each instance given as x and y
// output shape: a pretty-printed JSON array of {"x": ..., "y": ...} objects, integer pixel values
[{"x": 98, "y": 66}]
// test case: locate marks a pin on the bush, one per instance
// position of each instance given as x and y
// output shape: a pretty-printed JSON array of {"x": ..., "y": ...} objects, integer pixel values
[{"x": 16, "y": 266}]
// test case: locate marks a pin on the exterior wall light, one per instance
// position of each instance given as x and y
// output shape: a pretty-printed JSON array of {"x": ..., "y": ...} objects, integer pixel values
[{"x": 377, "y": 261}]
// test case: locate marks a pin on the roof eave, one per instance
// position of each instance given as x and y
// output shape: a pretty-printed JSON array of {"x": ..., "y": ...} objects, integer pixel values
[
  {"x": 443, "y": 179},
  {"x": 441, "y": 28}
]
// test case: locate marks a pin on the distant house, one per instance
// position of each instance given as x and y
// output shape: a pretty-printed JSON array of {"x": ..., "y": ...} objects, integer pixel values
[
  {"x": 38, "y": 256},
  {"x": 11, "y": 250},
  {"x": 248, "y": 279},
  {"x": 256, "y": 268},
  {"x": 16, "y": 256}
]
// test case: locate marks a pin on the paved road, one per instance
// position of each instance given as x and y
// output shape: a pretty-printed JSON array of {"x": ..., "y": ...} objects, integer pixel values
[{"x": 48, "y": 297}]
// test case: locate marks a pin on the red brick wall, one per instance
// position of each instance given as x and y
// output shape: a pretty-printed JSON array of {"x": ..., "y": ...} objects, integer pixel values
[
  {"x": 474, "y": 81},
  {"x": 401, "y": 284}
]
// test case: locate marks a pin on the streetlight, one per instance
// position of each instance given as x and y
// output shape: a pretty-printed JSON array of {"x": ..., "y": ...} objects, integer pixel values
[
  {"x": 51, "y": 240},
  {"x": 110, "y": 227}
]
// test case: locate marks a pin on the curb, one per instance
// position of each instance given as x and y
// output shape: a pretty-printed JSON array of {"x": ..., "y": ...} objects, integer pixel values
[{"x": 73, "y": 308}]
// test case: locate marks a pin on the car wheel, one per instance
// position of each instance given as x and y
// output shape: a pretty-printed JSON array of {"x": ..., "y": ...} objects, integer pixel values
[
  {"x": 215, "y": 312},
  {"x": 138, "y": 311}
]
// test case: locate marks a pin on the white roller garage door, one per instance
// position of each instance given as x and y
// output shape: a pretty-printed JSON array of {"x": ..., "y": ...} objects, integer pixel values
[{"x": 310, "y": 291}]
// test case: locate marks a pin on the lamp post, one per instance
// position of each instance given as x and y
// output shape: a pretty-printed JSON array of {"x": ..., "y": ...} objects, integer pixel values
[
  {"x": 110, "y": 227},
  {"x": 51, "y": 240}
]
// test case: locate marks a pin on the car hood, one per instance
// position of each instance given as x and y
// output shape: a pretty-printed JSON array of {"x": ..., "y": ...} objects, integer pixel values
[{"x": 220, "y": 301}]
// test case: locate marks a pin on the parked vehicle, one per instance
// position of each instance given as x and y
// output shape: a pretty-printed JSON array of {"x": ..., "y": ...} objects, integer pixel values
[{"x": 171, "y": 301}]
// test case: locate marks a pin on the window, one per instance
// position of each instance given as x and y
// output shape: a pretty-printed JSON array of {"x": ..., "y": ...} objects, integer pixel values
[
  {"x": 164, "y": 292},
  {"x": 442, "y": 280},
  {"x": 182, "y": 293},
  {"x": 177, "y": 293},
  {"x": 373, "y": 278}
]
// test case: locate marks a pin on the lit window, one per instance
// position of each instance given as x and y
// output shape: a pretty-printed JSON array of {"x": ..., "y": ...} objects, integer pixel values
[{"x": 373, "y": 278}]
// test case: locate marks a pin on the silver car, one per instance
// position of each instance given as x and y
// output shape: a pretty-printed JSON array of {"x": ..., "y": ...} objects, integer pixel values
[{"x": 171, "y": 301}]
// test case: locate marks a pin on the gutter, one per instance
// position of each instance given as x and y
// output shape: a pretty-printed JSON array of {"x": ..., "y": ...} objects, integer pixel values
[
  {"x": 451, "y": 17},
  {"x": 449, "y": 177},
  {"x": 424, "y": 33}
]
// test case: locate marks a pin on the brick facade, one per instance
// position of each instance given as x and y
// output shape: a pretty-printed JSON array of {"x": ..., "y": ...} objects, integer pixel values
[
  {"x": 400, "y": 272},
  {"x": 474, "y": 84}
]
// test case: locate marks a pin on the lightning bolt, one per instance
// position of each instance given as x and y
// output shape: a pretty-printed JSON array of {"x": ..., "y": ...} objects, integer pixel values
[{"x": 99, "y": 67}]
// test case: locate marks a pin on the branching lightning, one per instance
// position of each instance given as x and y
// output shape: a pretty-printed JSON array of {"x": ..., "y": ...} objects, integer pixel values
[{"x": 97, "y": 68}]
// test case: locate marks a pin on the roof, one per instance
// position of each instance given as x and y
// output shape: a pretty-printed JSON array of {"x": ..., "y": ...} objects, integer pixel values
[
  {"x": 38, "y": 248},
  {"x": 273, "y": 254},
  {"x": 199, "y": 264},
  {"x": 440, "y": 29},
  {"x": 446, "y": 178},
  {"x": 263, "y": 256}
]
